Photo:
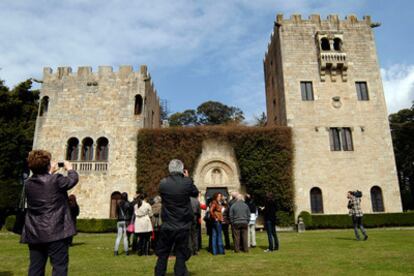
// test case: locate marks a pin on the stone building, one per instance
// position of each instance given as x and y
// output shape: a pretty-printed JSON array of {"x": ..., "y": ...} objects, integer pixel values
[
  {"x": 322, "y": 79},
  {"x": 92, "y": 119}
]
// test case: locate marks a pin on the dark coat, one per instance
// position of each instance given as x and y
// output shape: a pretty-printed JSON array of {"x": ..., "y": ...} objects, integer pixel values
[
  {"x": 269, "y": 211},
  {"x": 124, "y": 211},
  {"x": 48, "y": 216},
  {"x": 176, "y": 191}
]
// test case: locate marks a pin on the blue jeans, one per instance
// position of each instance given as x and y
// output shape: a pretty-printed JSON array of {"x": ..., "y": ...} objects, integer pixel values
[
  {"x": 217, "y": 239},
  {"x": 271, "y": 235}
]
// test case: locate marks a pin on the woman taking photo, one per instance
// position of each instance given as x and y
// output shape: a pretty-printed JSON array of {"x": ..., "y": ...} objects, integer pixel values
[{"x": 48, "y": 224}]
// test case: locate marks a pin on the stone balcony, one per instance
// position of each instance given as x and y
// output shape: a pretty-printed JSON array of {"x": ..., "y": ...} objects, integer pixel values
[
  {"x": 90, "y": 166},
  {"x": 334, "y": 62}
]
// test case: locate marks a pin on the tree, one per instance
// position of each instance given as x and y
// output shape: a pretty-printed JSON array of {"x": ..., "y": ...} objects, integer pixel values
[
  {"x": 216, "y": 113},
  {"x": 261, "y": 120},
  {"x": 186, "y": 118},
  {"x": 18, "y": 111},
  {"x": 402, "y": 131}
]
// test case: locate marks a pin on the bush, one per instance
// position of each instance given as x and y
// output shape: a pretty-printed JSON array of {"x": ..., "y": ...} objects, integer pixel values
[
  {"x": 264, "y": 157},
  {"x": 96, "y": 225},
  {"x": 284, "y": 219},
  {"x": 10, "y": 220},
  {"x": 307, "y": 218},
  {"x": 369, "y": 220}
]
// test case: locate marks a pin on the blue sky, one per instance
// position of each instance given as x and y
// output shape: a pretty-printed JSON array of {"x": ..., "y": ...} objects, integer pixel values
[{"x": 195, "y": 50}]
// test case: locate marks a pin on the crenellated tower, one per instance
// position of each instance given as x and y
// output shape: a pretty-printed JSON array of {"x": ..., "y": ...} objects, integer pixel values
[
  {"x": 322, "y": 78},
  {"x": 92, "y": 119}
]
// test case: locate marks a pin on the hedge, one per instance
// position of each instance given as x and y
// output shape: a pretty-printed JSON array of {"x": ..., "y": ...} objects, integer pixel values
[
  {"x": 264, "y": 156},
  {"x": 369, "y": 220},
  {"x": 82, "y": 225}
]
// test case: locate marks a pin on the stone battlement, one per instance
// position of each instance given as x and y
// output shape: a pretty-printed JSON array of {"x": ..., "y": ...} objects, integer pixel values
[
  {"x": 125, "y": 71},
  {"x": 316, "y": 19}
]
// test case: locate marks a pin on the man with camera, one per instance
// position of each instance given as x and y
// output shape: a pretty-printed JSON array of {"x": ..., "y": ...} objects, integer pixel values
[
  {"x": 354, "y": 206},
  {"x": 177, "y": 217}
]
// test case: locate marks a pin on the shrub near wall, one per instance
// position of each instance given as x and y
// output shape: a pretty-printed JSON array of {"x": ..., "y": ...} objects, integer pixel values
[
  {"x": 369, "y": 220},
  {"x": 264, "y": 156}
]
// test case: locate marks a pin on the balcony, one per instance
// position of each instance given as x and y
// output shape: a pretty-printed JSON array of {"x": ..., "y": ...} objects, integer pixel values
[
  {"x": 333, "y": 62},
  {"x": 90, "y": 166}
]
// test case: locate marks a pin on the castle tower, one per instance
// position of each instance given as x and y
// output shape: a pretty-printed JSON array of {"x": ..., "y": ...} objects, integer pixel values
[
  {"x": 92, "y": 119},
  {"x": 323, "y": 79}
]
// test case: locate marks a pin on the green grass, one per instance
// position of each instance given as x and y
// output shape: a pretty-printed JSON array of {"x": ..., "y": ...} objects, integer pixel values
[{"x": 328, "y": 252}]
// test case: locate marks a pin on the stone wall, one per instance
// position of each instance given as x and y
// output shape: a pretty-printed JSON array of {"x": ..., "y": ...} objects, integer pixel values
[
  {"x": 335, "y": 104},
  {"x": 87, "y": 104}
]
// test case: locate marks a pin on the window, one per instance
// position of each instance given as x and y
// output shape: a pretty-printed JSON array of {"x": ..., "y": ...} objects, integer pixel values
[
  {"x": 115, "y": 199},
  {"x": 72, "y": 150},
  {"x": 44, "y": 105},
  {"x": 325, "y": 44},
  {"x": 306, "y": 90},
  {"x": 362, "y": 90},
  {"x": 138, "y": 105},
  {"x": 341, "y": 139},
  {"x": 316, "y": 200},
  {"x": 102, "y": 149},
  {"x": 376, "y": 199},
  {"x": 337, "y": 44},
  {"x": 87, "y": 149}
]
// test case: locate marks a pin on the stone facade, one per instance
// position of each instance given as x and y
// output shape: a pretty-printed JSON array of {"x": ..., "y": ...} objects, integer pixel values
[
  {"x": 109, "y": 105},
  {"x": 217, "y": 168},
  {"x": 332, "y": 55}
]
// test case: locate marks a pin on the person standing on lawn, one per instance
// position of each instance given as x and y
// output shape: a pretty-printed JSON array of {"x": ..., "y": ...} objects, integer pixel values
[
  {"x": 177, "y": 217},
  {"x": 48, "y": 223},
  {"x": 354, "y": 206},
  {"x": 240, "y": 217},
  {"x": 216, "y": 216},
  {"x": 123, "y": 213},
  {"x": 269, "y": 213},
  {"x": 143, "y": 225},
  {"x": 252, "y": 221}
]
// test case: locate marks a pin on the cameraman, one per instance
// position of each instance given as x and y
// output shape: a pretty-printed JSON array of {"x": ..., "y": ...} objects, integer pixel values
[{"x": 354, "y": 206}]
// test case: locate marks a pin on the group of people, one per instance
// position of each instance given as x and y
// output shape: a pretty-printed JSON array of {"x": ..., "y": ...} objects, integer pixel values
[{"x": 171, "y": 220}]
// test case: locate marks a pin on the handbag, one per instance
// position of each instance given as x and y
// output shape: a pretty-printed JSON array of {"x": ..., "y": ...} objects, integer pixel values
[
  {"x": 131, "y": 226},
  {"x": 20, "y": 214}
]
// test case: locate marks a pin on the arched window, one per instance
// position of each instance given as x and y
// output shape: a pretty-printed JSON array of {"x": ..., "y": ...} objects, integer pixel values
[
  {"x": 72, "y": 150},
  {"x": 325, "y": 44},
  {"x": 138, "y": 105},
  {"x": 44, "y": 105},
  {"x": 87, "y": 149},
  {"x": 115, "y": 199},
  {"x": 376, "y": 199},
  {"x": 316, "y": 200},
  {"x": 102, "y": 149},
  {"x": 337, "y": 44}
]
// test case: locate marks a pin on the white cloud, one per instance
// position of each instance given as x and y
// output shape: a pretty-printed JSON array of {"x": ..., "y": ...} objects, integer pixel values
[{"x": 398, "y": 83}]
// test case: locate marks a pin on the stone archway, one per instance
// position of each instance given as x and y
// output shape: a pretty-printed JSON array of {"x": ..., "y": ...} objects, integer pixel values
[{"x": 217, "y": 167}]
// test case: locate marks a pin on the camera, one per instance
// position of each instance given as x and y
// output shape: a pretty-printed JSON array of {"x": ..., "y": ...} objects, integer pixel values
[
  {"x": 61, "y": 164},
  {"x": 357, "y": 193}
]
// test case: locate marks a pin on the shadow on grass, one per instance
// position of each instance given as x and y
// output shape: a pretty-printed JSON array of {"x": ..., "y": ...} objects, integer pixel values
[
  {"x": 74, "y": 244},
  {"x": 345, "y": 239},
  {"x": 6, "y": 273}
]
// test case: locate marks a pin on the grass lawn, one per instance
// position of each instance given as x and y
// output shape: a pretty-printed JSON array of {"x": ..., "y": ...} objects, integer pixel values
[{"x": 329, "y": 252}]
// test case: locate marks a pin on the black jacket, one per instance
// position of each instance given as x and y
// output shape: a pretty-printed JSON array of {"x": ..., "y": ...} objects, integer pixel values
[
  {"x": 175, "y": 191},
  {"x": 48, "y": 216},
  {"x": 124, "y": 211},
  {"x": 269, "y": 211}
]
